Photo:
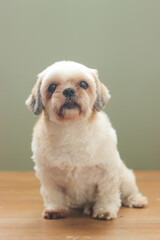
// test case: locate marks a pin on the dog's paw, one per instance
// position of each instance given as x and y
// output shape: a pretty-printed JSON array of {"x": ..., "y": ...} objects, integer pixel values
[
  {"x": 104, "y": 215},
  {"x": 141, "y": 202},
  {"x": 54, "y": 214},
  {"x": 135, "y": 201}
]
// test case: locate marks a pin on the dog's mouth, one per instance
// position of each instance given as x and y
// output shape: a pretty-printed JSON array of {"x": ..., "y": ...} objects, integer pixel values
[{"x": 69, "y": 104}]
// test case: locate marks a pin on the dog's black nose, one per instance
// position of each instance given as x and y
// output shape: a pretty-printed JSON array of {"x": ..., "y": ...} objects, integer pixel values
[{"x": 69, "y": 92}]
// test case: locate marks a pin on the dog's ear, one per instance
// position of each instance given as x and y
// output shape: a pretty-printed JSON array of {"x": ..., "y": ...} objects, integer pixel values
[
  {"x": 34, "y": 101},
  {"x": 102, "y": 92}
]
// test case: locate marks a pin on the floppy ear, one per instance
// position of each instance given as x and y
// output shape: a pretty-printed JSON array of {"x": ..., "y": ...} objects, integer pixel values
[
  {"x": 102, "y": 93},
  {"x": 34, "y": 102}
]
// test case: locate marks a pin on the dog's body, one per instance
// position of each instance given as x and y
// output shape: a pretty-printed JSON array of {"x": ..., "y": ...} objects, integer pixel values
[{"x": 75, "y": 147}]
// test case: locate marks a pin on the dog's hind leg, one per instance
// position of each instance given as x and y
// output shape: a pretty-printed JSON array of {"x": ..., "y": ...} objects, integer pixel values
[{"x": 130, "y": 195}]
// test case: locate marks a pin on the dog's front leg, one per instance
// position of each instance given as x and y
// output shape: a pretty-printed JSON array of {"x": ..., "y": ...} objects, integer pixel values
[
  {"x": 108, "y": 199},
  {"x": 53, "y": 196}
]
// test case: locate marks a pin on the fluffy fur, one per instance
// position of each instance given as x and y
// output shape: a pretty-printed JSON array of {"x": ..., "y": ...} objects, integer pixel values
[{"x": 75, "y": 148}]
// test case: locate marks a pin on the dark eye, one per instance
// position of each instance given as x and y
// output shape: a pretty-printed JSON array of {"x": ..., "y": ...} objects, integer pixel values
[
  {"x": 52, "y": 88},
  {"x": 83, "y": 85}
]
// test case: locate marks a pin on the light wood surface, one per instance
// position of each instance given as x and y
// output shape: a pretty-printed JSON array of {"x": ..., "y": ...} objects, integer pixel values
[{"x": 21, "y": 206}]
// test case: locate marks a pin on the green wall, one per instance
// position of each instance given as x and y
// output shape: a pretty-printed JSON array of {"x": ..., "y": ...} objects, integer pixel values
[{"x": 119, "y": 38}]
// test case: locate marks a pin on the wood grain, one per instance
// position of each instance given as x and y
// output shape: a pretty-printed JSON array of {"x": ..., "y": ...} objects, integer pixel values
[{"x": 21, "y": 207}]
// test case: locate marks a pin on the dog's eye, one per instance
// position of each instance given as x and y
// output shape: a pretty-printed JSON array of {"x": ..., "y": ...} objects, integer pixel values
[
  {"x": 83, "y": 85},
  {"x": 52, "y": 88}
]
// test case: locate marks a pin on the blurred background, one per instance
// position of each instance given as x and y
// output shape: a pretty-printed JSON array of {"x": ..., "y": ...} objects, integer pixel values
[{"x": 119, "y": 38}]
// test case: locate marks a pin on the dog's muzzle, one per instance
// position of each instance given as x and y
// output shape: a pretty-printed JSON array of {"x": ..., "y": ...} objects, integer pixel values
[{"x": 70, "y": 102}]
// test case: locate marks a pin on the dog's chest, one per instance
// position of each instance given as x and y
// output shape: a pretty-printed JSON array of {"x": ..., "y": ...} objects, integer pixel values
[{"x": 72, "y": 148}]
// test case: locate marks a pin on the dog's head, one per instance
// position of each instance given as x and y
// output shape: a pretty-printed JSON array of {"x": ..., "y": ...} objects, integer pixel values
[{"x": 68, "y": 91}]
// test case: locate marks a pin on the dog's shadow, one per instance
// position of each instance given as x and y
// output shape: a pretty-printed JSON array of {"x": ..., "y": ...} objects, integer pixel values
[{"x": 80, "y": 224}]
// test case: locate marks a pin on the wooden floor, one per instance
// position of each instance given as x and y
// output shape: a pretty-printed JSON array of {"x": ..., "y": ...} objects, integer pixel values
[{"x": 21, "y": 206}]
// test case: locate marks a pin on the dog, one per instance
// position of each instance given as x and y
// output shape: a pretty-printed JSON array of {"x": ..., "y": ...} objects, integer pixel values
[{"x": 75, "y": 146}]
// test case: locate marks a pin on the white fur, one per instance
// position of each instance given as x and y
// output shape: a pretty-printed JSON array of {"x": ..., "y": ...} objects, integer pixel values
[{"x": 78, "y": 164}]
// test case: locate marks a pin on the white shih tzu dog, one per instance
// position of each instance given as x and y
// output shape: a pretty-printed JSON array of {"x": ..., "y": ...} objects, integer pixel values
[{"x": 75, "y": 146}]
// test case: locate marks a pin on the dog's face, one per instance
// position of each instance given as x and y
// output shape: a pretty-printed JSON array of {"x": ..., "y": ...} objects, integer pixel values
[{"x": 68, "y": 91}]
